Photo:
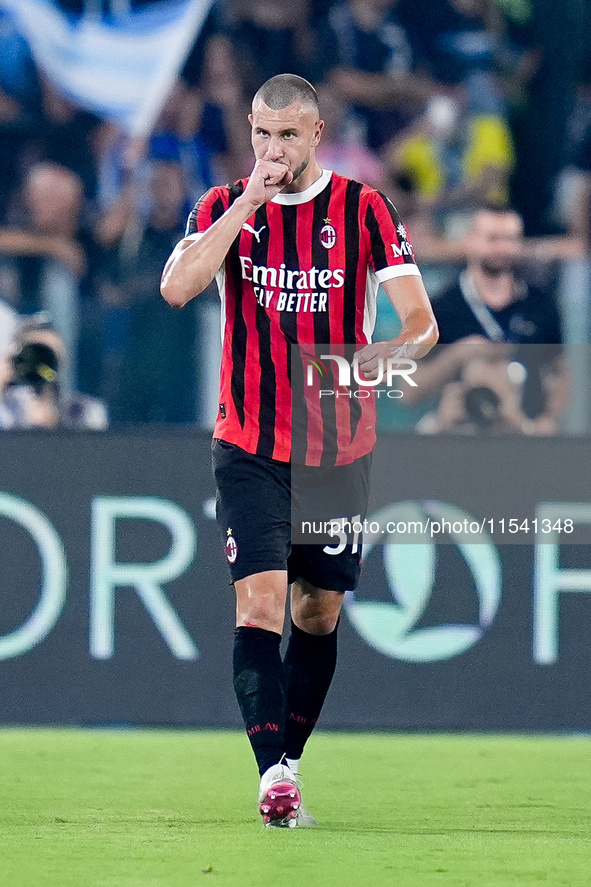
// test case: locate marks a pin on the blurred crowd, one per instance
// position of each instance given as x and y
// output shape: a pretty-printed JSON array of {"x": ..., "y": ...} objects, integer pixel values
[{"x": 423, "y": 99}]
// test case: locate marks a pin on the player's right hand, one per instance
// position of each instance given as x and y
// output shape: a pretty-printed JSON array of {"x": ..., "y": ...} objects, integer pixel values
[{"x": 266, "y": 180}]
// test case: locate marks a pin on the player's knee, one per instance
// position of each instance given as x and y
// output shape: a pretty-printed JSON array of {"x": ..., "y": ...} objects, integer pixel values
[
  {"x": 313, "y": 609},
  {"x": 317, "y": 615},
  {"x": 260, "y": 610},
  {"x": 319, "y": 624},
  {"x": 270, "y": 621}
]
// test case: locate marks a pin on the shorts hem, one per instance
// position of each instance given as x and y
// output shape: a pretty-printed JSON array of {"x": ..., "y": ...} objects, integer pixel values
[
  {"x": 339, "y": 587},
  {"x": 253, "y": 569}
]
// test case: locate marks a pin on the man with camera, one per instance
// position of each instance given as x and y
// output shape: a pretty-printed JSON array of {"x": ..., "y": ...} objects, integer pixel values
[
  {"x": 492, "y": 315},
  {"x": 32, "y": 396}
]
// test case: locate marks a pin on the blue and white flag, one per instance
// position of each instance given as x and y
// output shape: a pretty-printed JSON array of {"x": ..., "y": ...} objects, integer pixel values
[{"x": 121, "y": 68}]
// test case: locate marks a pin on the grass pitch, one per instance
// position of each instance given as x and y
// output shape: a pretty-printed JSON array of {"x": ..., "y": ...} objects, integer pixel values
[{"x": 160, "y": 808}]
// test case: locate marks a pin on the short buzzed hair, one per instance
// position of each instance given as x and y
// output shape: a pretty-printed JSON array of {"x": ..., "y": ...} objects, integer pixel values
[
  {"x": 494, "y": 209},
  {"x": 285, "y": 89}
]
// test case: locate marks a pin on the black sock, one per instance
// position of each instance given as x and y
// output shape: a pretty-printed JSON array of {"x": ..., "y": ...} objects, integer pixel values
[
  {"x": 309, "y": 665},
  {"x": 260, "y": 690}
]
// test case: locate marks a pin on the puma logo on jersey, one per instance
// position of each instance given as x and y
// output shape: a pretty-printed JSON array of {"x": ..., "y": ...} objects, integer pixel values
[{"x": 256, "y": 234}]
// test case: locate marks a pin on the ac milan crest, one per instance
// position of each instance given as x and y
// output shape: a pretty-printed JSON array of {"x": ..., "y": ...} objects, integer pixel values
[
  {"x": 328, "y": 235},
  {"x": 231, "y": 548}
]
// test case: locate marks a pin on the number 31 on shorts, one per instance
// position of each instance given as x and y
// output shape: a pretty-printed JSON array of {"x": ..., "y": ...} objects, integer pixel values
[{"x": 338, "y": 528}]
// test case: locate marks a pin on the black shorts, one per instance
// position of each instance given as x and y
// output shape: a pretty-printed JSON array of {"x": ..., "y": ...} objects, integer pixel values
[{"x": 254, "y": 513}]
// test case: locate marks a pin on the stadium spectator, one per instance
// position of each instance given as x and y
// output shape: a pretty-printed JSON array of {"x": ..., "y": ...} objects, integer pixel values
[
  {"x": 32, "y": 396},
  {"x": 519, "y": 57},
  {"x": 343, "y": 147},
  {"x": 454, "y": 157},
  {"x": 54, "y": 261},
  {"x": 570, "y": 185},
  {"x": 63, "y": 136},
  {"x": 456, "y": 40},
  {"x": 484, "y": 46},
  {"x": 493, "y": 305},
  {"x": 180, "y": 136},
  {"x": 150, "y": 346},
  {"x": 577, "y": 201},
  {"x": 374, "y": 70},
  {"x": 269, "y": 37},
  {"x": 225, "y": 109}
]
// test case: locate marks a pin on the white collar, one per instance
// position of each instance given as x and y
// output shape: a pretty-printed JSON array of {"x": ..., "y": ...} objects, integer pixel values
[{"x": 294, "y": 197}]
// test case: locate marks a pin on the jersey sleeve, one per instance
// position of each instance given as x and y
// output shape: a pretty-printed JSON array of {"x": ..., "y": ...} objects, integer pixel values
[
  {"x": 391, "y": 252},
  {"x": 207, "y": 210}
]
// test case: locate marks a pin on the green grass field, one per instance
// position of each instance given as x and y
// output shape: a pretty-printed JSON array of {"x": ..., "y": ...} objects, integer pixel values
[{"x": 159, "y": 808}]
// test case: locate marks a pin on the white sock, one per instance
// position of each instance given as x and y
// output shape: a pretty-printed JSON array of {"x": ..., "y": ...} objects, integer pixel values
[{"x": 294, "y": 765}]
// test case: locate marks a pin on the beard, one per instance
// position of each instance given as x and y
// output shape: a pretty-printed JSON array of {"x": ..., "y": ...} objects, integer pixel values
[
  {"x": 499, "y": 268},
  {"x": 300, "y": 169}
]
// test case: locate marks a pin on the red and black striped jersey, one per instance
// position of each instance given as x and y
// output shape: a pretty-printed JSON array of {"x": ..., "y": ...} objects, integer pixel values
[{"x": 303, "y": 272}]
